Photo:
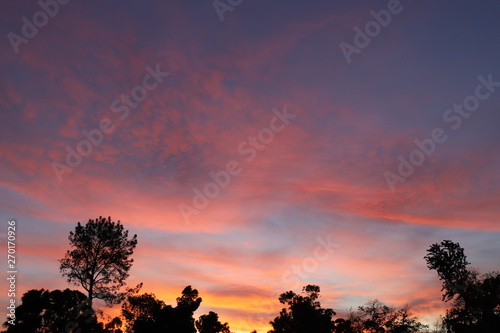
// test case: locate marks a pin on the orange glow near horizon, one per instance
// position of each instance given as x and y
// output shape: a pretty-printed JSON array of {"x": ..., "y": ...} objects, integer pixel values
[{"x": 259, "y": 164}]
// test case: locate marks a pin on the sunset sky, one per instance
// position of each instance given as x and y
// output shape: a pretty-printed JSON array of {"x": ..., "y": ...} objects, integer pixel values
[{"x": 312, "y": 134}]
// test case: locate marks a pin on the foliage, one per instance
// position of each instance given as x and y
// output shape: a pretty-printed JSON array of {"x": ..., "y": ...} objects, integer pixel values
[
  {"x": 450, "y": 262},
  {"x": 210, "y": 323},
  {"x": 54, "y": 311},
  {"x": 114, "y": 326},
  {"x": 145, "y": 313},
  {"x": 375, "y": 317},
  {"x": 99, "y": 260},
  {"x": 304, "y": 313},
  {"x": 475, "y": 299}
]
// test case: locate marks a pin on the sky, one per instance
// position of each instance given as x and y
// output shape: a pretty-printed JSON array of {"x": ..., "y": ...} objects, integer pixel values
[{"x": 254, "y": 147}]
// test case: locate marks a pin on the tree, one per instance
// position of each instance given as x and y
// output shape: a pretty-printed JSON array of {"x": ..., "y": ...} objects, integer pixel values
[
  {"x": 210, "y": 324},
  {"x": 356, "y": 324},
  {"x": 114, "y": 326},
  {"x": 54, "y": 311},
  {"x": 377, "y": 317},
  {"x": 344, "y": 326},
  {"x": 404, "y": 322},
  {"x": 475, "y": 298},
  {"x": 304, "y": 313},
  {"x": 450, "y": 262},
  {"x": 187, "y": 304},
  {"x": 145, "y": 313},
  {"x": 99, "y": 260}
]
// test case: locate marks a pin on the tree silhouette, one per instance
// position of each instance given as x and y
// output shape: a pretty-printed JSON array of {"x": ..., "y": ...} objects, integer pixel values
[
  {"x": 475, "y": 298},
  {"x": 450, "y": 262},
  {"x": 145, "y": 313},
  {"x": 304, "y": 313},
  {"x": 100, "y": 259},
  {"x": 114, "y": 326},
  {"x": 376, "y": 317},
  {"x": 54, "y": 311},
  {"x": 344, "y": 326},
  {"x": 406, "y": 322},
  {"x": 210, "y": 324},
  {"x": 187, "y": 304}
]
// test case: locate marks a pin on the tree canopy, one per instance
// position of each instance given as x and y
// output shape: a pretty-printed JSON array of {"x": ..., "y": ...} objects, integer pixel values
[
  {"x": 99, "y": 260},
  {"x": 54, "y": 311},
  {"x": 375, "y": 316},
  {"x": 145, "y": 313},
  {"x": 304, "y": 313},
  {"x": 210, "y": 323},
  {"x": 475, "y": 298}
]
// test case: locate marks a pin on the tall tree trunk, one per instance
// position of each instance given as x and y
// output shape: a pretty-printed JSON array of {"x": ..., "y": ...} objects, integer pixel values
[{"x": 91, "y": 293}]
